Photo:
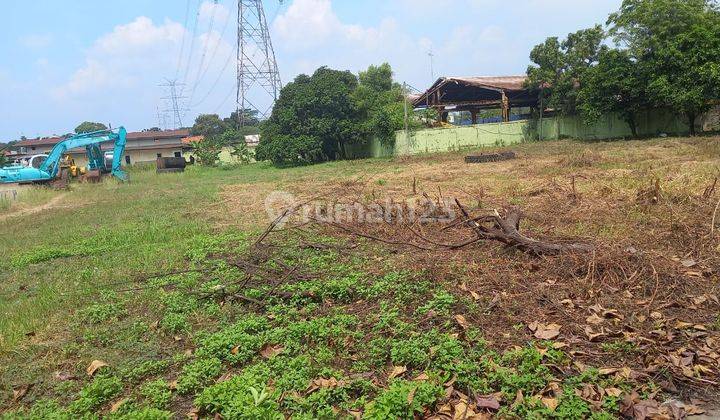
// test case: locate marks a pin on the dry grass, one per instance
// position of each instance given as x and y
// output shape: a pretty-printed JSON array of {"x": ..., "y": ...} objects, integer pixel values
[{"x": 651, "y": 286}]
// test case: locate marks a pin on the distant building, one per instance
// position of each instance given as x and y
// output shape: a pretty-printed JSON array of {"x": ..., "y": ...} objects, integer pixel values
[
  {"x": 142, "y": 147},
  {"x": 226, "y": 157}
]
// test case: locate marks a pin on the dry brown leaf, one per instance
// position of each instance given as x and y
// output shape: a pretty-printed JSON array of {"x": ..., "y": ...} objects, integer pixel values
[
  {"x": 593, "y": 336},
  {"x": 547, "y": 332},
  {"x": 397, "y": 371},
  {"x": 20, "y": 392},
  {"x": 550, "y": 403},
  {"x": 116, "y": 406},
  {"x": 613, "y": 392},
  {"x": 194, "y": 414},
  {"x": 462, "y": 322},
  {"x": 64, "y": 376},
  {"x": 489, "y": 402},
  {"x": 462, "y": 411},
  {"x": 680, "y": 325},
  {"x": 269, "y": 351},
  {"x": 421, "y": 377},
  {"x": 322, "y": 383},
  {"x": 689, "y": 263},
  {"x": 608, "y": 371},
  {"x": 519, "y": 398},
  {"x": 95, "y": 366},
  {"x": 411, "y": 396},
  {"x": 594, "y": 319}
]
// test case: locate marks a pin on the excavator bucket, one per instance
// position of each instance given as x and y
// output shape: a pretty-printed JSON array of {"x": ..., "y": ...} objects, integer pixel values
[{"x": 93, "y": 176}]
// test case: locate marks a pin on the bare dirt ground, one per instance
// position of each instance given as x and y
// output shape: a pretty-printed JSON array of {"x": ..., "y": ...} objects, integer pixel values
[{"x": 29, "y": 211}]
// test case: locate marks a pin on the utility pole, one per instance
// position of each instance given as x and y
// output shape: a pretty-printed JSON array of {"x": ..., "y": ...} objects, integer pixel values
[
  {"x": 405, "y": 102},
  {"x": 432, "y": 69},
  {"x": 258, "y": 78},
  {"x": 173, "y": 99}
]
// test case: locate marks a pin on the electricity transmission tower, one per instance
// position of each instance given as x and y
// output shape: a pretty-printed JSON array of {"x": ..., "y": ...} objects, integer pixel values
[
  {"x": 258, "y": 78},
  {"x": 173, "y": 100}
]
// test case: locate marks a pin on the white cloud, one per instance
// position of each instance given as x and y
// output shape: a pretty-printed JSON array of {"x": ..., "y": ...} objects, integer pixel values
[
  {"x": 123, "y": 56},
  {"x": 310, "y": 23},
  {"x": 210, "y": 11}
]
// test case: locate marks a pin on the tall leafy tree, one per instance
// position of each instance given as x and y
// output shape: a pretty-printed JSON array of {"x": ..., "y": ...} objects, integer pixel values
[
  {"x": 89, "y": 127},
  {"x": 558, "y": 66},
  {"x": 380, "y": 103},
  {"x": 615, "y": 85},
  {"x": 677, "y": 43},
  {"x": 313, "y": 119}
]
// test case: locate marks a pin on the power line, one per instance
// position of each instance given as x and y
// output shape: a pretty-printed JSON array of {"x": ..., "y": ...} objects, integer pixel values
[
  {"x": 212, "y": 58},
  {"x": 217, "y": 80},
  {"x": 257, "y": 69},
  {"x": 205, "y": 50},
  {"x": 182, "y": 47},
  {"x": 192, "y": 43}
]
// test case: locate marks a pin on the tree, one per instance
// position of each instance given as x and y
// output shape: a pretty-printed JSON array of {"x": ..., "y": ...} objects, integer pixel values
[
  {"x": 89, "y": 127},
  {"x": 677, "y": 43},
  {"x": 558, "y": 67},
  {"x": 252, "y": 120},
  {"x": 208, "y": 126},
  {"x": 615, "y": 85},
  {"x": 379, "y": 101},
  {"x": 212, "y": 129},
  {"x": 313, "y": 119}
]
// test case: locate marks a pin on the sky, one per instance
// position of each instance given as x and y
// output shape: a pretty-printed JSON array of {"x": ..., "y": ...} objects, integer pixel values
[{"x": 64, "y": 62}]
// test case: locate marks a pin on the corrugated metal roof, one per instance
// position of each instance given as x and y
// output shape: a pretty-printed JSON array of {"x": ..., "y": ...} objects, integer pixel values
[{"x": 495, "y": 82}]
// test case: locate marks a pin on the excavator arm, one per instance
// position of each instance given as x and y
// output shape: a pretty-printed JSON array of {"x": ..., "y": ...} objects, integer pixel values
[{"x": 90, "y": 141}]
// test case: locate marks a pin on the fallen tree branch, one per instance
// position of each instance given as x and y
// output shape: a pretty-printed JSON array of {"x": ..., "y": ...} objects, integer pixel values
[
  {"x": 507, "y": 231},
  {"x": 712, "y": 228}
]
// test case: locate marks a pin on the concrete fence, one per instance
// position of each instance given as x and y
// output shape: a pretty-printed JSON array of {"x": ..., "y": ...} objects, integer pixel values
[{"x": 439, "y": 140}]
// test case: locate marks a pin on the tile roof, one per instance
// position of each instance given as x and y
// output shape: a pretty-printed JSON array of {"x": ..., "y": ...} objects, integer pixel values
[
  {"x": 46, "y": 141},
  {"x": 143, "y": 135},
  {"x": 183, "y": 132}
]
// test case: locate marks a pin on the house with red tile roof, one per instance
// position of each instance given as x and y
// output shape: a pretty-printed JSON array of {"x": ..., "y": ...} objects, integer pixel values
[{"x": 142, "y": 147}]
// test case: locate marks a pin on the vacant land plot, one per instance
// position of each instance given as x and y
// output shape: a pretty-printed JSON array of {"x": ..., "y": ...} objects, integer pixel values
[{"x": 155, "y": 299}]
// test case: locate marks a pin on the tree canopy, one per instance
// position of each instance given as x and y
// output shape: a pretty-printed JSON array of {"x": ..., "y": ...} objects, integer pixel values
[
  {"x": 316, "y": 118},
  {"x": 559, "y": 66},
  {"x": 663, "y": 54},
  {"x": 89, "y": 127},
  {"x": 220, "y": 133}
]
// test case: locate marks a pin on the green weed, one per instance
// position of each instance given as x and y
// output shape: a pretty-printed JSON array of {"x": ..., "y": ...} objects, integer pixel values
[{"x": 157, "y": 394}]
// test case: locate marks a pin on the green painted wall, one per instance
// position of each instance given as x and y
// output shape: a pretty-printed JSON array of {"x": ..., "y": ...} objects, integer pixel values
[
  {"x": 652, "y": 123},
  {"x": 439, "y": 140}
]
